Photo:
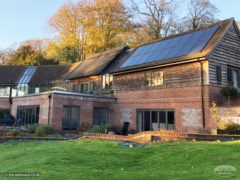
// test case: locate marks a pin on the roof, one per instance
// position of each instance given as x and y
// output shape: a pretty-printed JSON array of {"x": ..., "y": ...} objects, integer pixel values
[
  {"x": 97, "y": 64},
  {"x": 182, "y": 47},
  {"x": 41, "y": 75},
  {"x": 10, "y": 74},
  {"x": 45, "y": 74}
]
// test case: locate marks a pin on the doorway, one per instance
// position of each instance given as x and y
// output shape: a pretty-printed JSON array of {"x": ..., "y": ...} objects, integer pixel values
[
  {"x": 71, "y": 118},
  {"x": 153, "y": 120}
]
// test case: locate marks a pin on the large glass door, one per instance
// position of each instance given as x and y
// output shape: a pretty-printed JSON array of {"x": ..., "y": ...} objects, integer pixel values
[
  {"x": 153, "y": 120},
  {"x": 71, "y": 117}
]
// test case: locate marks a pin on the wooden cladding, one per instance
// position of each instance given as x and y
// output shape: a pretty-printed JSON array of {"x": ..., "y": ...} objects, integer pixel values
[{"x": 185, "y": 75}]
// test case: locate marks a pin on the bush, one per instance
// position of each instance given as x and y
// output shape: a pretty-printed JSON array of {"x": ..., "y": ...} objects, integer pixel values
[
  {"x": 32, "y": 128},
  {"x": 233, "y": 126},
  {"x": 100, "y": 128},
  {"x": 85, "y": 126},
  {"x": 43, "y": 130},
  {"x": 3, "y": 111},
  {"x": 14, "y": 132}
]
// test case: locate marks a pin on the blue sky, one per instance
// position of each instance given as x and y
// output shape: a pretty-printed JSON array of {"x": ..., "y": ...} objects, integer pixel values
[{"x": 27, "y": 19}]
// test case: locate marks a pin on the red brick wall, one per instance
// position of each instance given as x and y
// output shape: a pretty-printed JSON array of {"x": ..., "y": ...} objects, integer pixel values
[
  {"x": 177, "y": 99},
  {"x": 86, "y": 107},
  {"x": 56, "y": 107},
  {"x": 4, "y": 103},
  {"x": 41, "y": 100}
]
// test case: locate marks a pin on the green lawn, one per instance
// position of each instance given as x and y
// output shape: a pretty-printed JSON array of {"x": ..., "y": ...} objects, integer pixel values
[{"x": 96, "y": 159}]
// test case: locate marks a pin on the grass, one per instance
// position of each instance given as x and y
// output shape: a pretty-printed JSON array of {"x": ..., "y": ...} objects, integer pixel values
[{"x": 96, "y": 159}]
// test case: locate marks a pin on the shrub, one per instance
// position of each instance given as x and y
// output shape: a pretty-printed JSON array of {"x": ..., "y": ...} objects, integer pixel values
[
  {"x": 43, "y": 130},
  {"x": 32, "y": 128},
  {"x": 85, "y": 126},
  {"x": 233, "y": 126},
  {"x": 100, "y": 128},
  {"x": 3, "y": 111},
  {"x": 14, "y": 132}
]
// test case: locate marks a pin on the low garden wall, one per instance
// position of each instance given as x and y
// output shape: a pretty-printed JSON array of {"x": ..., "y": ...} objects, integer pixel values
[{"x": 162, "y": 136}]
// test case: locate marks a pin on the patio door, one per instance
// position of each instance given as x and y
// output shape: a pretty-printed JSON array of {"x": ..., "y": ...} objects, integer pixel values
[
  {"x": 71, "y": 118},
  {"x": 153, "y": 120}
]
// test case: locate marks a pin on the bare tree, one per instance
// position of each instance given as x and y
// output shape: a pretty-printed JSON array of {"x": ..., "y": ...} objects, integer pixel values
[
  {"x": 158, "y": 16},
  {"x": 200, "y": 12},
  {"x": 4, "y": 55}
]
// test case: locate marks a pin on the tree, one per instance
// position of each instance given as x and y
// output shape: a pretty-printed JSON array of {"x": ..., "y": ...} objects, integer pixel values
[
  {"x": 89, "y": 27},
  {"x": 158, "y": 16},
  {"x": 108, "y": 23},
  {"x": 200, "y": 13},
  {"x": 67, "y": 54},
  {"x": 67, "y": 23},
  {"x": 4, "y": 55},
  {"x": 26, "y": 55}
]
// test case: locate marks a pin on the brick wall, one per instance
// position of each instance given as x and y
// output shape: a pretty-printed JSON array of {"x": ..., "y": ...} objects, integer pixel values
[
  {"x": 41, "y": 100},
  {"x": 186, "y": 102},
  {"x": 4, "y": 103},
  {"x": 86, "y": 108},
  {"x": 56, "y": 107}
]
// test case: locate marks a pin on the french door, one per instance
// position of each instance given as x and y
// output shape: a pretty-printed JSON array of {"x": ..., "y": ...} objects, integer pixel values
[{"x": 153, "y": 120}]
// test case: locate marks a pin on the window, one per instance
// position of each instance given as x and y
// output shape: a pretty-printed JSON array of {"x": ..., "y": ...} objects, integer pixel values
[
  {"x": 107, "y": 80},
  {"x": 27, "y": 115},
  {"x": 233, "y": 77},
  {"x": 85, "y": 87},
  {"x": 71, "y": 118},
  {"x": 154, "y": 78},
  {"x": 152, "y": 120},
  {"x": 100, "y": 116},
  {"x": 219, "y": 74},
  {"x": 88, "y": 87}
]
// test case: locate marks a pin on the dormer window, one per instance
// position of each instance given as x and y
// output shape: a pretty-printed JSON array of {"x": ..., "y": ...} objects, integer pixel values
[{"x": 107, "y": 80}]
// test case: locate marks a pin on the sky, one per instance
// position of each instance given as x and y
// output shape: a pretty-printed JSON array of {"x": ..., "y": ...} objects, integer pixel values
[{"x": 28, "y": 19}]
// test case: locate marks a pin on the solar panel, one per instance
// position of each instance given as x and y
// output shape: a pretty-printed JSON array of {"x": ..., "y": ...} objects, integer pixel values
[
  {"x": 27, "y": 75},
  {"x": 171, "y": 48}
]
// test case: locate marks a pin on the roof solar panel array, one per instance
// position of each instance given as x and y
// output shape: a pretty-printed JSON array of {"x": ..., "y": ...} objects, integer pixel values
[{"x": 171, "y": 48}]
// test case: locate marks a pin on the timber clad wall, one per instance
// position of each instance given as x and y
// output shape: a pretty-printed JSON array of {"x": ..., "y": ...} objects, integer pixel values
[
  {"x": 185, "y": 75},
  {"x": 227, "y": 52}
]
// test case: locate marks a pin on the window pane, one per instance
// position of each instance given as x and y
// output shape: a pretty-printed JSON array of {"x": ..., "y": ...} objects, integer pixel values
[
  {"x": 218, "y": 74},
  {"x": 139, "y": 121},
  {"x": 162, "y": 119},
  {"x": 155, "y": 121},
  {"x": 27, "y": 115},
  {"x": 170, "y": 120},
  {"x": 100, "y": 116}
]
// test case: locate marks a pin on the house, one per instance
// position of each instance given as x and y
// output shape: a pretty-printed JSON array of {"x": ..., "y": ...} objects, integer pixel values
[
  {"x": 171, "y": 83},
  {"x": 166, "y": 84}
]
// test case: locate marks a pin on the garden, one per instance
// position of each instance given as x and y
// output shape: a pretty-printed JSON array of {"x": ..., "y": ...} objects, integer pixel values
[{"x": 98, "y": 159}]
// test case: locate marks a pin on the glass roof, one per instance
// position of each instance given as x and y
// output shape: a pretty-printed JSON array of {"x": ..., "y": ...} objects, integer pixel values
[
  {"x": 171, "y": 48},
  {"x": 27, "y": 75}
]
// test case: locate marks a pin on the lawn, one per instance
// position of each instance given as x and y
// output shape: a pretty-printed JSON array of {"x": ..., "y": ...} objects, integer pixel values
[{"x": 96, "y": 159}]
